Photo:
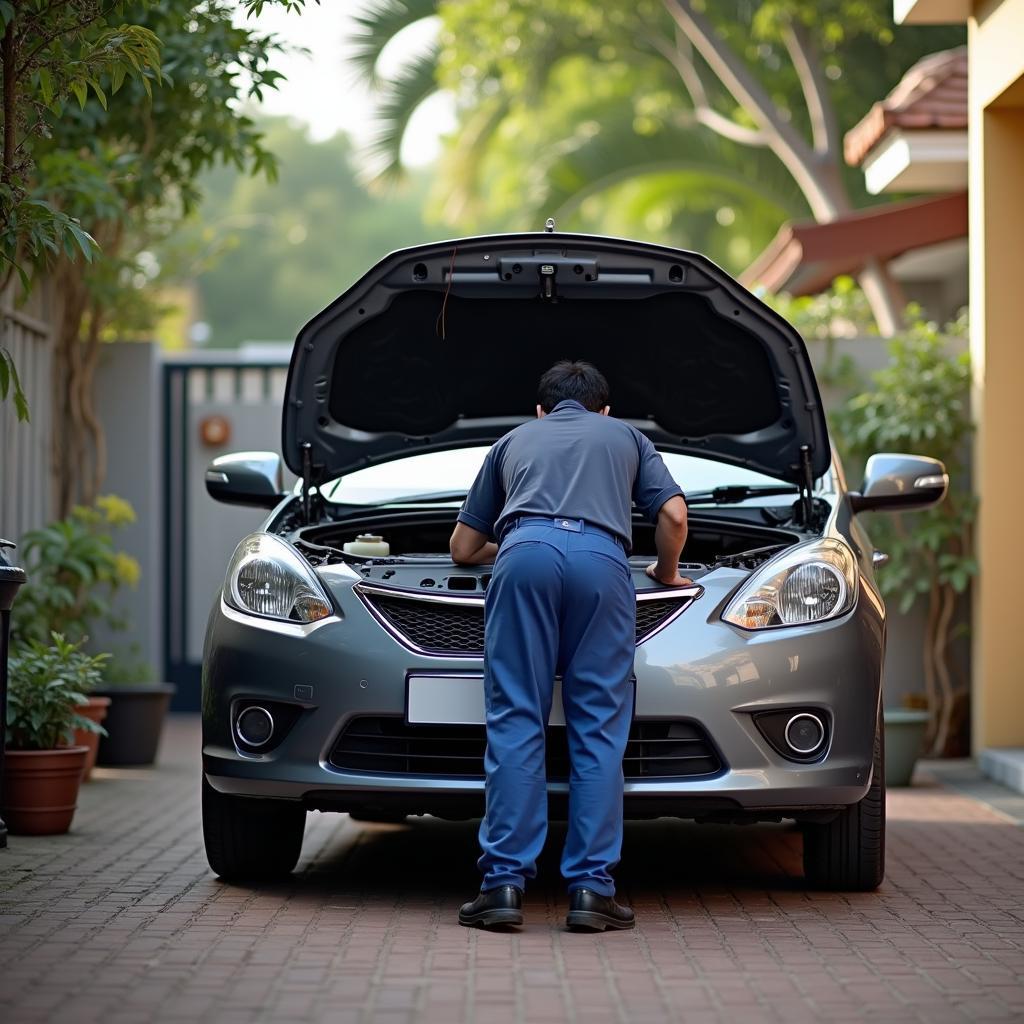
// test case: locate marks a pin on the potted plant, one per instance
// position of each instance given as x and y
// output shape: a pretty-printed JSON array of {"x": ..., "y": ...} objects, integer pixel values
[
  {"x": 75, "y": 571},
  {"x": 43, "y": 767},
  {"x": 136, "y": 713},
  {"x": 95, "y": 710},
  {"x": 919, "y": 403}
]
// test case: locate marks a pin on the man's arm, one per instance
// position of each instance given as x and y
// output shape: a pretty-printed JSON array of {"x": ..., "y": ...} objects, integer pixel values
[
  {"x": 471, "y": 547},
  {"x": 669, "y": 538},
  {"x": 470, "y": 543}
]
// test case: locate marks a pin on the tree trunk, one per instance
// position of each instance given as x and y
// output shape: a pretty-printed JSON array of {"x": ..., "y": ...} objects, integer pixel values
[
  {"x": 816, "y": 166},
  {"x": 69, "y": 433},
  {"x": 928, "y": 663},
  {"x": 92, "y": 477},
  {"x": 943, "y": 675},
  {"x": 884, "y": 295}
]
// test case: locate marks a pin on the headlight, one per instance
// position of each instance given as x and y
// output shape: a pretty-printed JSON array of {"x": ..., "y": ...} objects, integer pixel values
[
  {"x": 807, "y": 583},
  {"x": 267, "y": 577}
]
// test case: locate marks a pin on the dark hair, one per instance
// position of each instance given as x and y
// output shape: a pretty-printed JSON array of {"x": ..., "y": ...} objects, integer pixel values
[{"x": 580, "y": 381}]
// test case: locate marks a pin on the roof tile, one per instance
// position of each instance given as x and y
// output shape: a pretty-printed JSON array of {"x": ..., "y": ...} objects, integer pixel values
[{"x": 932, "y": 94}]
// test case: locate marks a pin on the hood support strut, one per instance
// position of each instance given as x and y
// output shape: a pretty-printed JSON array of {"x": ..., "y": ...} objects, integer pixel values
[
  {"x": 806, "y": 485},
  {"x": 312, "y": 504}
]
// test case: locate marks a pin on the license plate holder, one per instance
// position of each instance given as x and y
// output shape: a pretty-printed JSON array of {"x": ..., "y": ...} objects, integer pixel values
[{"x": 434, "y": 699}]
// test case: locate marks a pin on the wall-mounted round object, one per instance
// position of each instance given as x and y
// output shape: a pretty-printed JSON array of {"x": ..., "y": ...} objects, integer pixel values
[{"x": 214, "y": 431}]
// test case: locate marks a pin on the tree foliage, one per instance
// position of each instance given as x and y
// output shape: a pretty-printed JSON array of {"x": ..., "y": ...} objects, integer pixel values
[
  {"x": 111, "y": 113},
  {"x": 74, "y": 570},
  {"x": 567, "y": 108},
  {"x": 276, "y": 263},
  {"x": 133, "y": 102},
  {"x": 52, "y": 53}
]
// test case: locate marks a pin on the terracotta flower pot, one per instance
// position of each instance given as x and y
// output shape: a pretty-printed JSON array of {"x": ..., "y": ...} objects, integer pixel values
[
  {"x": 95, "y": 708},
  {"x": 41, "y": 789}
]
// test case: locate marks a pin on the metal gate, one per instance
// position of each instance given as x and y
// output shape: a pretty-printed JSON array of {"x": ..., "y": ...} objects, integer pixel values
[
  {"x": 200, "y": 535},
  {"x": 25, "y": 448}
]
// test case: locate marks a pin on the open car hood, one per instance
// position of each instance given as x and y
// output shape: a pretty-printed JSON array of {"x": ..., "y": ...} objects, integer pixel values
[{"x": 442, "y": 346}]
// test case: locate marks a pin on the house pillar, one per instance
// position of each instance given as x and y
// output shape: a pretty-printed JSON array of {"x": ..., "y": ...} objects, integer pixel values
[{"x": 996, "y": 147}]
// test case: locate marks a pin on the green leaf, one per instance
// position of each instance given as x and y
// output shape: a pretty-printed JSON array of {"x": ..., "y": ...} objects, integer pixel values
[
  {"x": 46, "y": 85},
  {"x": 376, "y": 24},
  {"x": 8, "y": 377},
  {"x": 100, "y": 94},
  {"x": 81, "y": 91},
  {"x": 86, "y": 243}
]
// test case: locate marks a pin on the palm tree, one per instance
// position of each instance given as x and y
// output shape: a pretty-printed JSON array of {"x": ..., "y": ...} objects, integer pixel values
[{"x": 401, "y": 94}]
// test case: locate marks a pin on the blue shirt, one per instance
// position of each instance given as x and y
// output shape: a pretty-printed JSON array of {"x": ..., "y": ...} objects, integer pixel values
[{"x": 571, "y": 463}]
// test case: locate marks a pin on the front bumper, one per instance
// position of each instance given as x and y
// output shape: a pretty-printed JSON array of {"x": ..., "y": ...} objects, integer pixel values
[{"x": 697, "y": 668}]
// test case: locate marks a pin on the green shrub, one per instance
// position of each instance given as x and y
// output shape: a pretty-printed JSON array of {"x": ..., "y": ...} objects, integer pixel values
[
  {"x": 919, "y": 403},
  {"x": 47, "y": 683},
  {"x": 73, "y": 572}
]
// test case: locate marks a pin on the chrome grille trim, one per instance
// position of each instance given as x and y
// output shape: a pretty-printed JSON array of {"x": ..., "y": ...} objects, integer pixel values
[
  {"x": 365, "y": 587},
  {"x": 366, "y": 591}
]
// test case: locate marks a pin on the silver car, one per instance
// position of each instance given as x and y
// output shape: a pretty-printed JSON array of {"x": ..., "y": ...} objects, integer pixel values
[{"x": 343, "y": 663}]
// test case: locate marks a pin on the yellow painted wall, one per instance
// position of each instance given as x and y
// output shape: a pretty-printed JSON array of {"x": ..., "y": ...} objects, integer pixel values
[{"x": 996, "y": 56}]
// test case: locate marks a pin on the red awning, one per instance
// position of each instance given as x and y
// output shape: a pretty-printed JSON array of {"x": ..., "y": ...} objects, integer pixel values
[{"x": 805, "y": 258}]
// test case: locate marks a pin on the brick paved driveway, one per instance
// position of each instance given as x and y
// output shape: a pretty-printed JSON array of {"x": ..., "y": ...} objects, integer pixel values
[{"x": 121, "y": 922}]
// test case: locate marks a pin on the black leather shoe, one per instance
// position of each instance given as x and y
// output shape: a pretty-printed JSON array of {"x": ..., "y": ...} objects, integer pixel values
[
  {"x": 591, "y": 912},
  {"x": 493, "y": 908}
]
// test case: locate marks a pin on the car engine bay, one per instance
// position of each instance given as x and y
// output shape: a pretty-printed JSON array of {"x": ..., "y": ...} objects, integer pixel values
[{"x": 418, "y": 559}]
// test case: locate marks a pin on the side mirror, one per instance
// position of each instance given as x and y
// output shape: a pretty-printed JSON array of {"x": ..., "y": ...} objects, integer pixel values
[
  {"x": 246, "y": 478},
  {"x": 900, "y": 482}
]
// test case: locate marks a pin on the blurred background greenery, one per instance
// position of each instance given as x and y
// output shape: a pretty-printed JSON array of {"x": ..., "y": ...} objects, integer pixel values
[{"x": 407, "y": 120}]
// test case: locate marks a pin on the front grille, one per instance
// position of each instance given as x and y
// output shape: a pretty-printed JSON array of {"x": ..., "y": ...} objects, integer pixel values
[
  {"x": 435, "y": 627},
  {"x": 439, "y": 628},
  {"x": 657, "y": 748},
  {"x": 651, "y": 614}
]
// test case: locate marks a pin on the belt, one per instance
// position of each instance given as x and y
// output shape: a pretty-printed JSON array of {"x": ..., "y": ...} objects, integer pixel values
[{"x": 566, "y": 523}]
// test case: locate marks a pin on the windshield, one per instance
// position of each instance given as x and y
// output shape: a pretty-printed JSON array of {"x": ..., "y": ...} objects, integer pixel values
[{"x": 451, "y": 473}]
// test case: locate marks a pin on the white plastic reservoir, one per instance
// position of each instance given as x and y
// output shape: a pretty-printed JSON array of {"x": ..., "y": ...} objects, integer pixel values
[{"x": 367, "y": 544}]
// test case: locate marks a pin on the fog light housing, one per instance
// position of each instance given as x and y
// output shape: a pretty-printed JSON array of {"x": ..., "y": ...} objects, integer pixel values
[
  {"x": 255, "y": 726},
  {"x": 259, "y": 726},
  {"x": 797, "y": 734},
  {"x": 805, "y": 733}
]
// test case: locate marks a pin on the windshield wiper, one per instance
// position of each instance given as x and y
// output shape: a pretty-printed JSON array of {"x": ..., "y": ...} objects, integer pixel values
[
  {"x": 430, "y": 498},
  {"x": 730, "y": 495},
  {"x": 726, "y": 495}
]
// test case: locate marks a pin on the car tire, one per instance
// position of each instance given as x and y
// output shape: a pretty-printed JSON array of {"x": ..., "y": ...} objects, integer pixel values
[
  {"x": 848, "y": 853},
  {"x": 251, "y": 840}
]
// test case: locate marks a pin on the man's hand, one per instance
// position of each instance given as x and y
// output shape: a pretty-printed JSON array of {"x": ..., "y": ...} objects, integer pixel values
[
  {"x": 669, "y": 538},
  {"x": 676, "y": 581}
]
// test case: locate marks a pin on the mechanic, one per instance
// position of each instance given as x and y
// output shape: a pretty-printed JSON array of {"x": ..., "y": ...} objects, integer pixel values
[{"x": 556, "y": 494}]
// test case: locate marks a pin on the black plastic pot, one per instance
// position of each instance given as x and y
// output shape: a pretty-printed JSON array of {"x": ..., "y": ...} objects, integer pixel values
[{"x": 134, "y": 723}]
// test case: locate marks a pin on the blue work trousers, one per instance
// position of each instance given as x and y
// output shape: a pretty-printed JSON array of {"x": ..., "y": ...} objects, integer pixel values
[{"x": 561, "y": 601}]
